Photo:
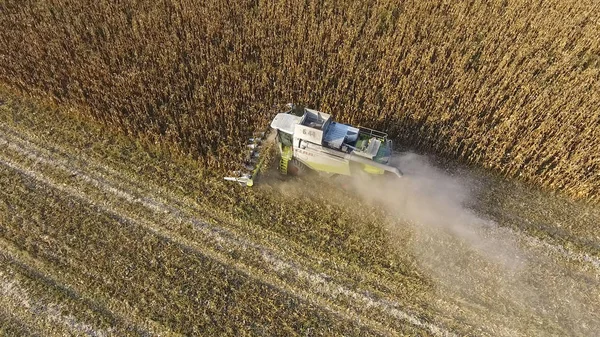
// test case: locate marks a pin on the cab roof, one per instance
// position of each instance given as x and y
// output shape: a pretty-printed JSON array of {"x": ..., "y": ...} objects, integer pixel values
[{"x": 285, "y": 122}]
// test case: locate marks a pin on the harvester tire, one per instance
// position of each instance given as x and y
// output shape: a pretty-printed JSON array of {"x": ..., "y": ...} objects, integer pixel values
[{"x": 296, "y": 168}]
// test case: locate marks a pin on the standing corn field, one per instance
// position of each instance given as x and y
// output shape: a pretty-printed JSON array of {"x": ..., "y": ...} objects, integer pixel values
[{"x": 509, "y": 85}]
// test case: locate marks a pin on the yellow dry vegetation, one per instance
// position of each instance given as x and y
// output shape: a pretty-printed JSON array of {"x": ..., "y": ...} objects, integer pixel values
[{"x": 511, "y": 85}]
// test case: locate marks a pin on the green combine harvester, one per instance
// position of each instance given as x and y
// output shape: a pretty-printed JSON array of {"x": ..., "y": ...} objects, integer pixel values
[{"x": 311, "y": 139}]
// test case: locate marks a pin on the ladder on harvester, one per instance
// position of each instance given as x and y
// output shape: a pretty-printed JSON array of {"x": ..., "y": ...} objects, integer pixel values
[{"x": 286, "y": 156}]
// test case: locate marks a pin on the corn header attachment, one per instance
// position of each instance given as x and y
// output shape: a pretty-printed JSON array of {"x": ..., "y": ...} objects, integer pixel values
[{"x": 258, "y": 147}]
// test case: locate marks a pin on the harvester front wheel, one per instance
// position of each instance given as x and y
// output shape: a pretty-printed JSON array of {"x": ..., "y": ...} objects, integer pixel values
[{"x": 296, "y": 168}]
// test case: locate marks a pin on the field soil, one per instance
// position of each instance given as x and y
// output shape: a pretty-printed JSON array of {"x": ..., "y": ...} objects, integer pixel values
[{"x": 100, "y": 235}]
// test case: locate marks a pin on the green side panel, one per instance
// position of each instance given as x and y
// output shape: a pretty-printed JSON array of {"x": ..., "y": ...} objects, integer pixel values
[
  {"x": 337, "y": 169},
  {"x": 372, "y": 169},
  {"x": 285, "y": 139},
  {"x": 383, "y": 154},
  {"x": 360, "y": 144}
]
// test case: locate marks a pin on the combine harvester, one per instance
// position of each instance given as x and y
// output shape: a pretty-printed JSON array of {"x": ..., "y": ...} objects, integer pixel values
[{"x": 310, "y": 138}]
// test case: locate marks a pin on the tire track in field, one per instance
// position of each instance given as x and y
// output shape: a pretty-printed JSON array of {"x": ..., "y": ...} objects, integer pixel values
[
  {"x": 192, "y": 247},
  {"x": 322, "y": 290},
  {"x": 47, "y": 275},
  {"x": 157, "y": 199},
  {"x": 288, "y": 265},
  {"x": 16, "y": 297},
  {"x": 261, "y": 239}
]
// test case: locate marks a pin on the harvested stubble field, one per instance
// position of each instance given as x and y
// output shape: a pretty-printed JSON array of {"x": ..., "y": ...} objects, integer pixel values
[
  {"x": 115, "y": 221},
  {"x": 102, "y": 235}
]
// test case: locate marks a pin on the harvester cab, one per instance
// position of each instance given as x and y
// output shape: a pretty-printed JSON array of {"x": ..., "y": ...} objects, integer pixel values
[{"x": 309, "y": 138}]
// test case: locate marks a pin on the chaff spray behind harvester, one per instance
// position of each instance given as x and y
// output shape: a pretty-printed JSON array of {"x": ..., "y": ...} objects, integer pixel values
[{"x": 309, "y": 138}]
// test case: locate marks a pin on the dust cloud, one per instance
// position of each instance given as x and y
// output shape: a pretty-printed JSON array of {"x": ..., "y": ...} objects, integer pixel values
[
  {"x": 479, "y": 267},
  {"x": 435, "y": 201}
]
